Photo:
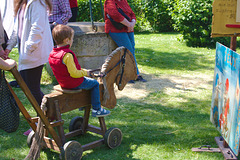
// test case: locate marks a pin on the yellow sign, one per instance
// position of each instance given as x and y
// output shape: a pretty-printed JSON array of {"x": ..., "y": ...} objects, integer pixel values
[{"x": 226, "y": 18}]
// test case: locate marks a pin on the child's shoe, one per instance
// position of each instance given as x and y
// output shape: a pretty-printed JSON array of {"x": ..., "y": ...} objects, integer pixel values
[{"x": 100, "y": 113}]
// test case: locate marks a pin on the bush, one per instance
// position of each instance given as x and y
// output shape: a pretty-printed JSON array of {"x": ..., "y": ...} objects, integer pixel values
[
  {"x": 84, "y": 11},
  {"x": 151, "y": 15},
  {"x": 193, "y": 18}
]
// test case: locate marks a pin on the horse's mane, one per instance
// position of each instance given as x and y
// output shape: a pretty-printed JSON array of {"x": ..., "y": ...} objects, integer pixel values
[{"x": 109, "y": 58}]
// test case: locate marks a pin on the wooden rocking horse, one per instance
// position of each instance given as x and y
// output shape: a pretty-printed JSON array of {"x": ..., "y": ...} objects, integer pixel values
[{"x": 118, "y": 68}]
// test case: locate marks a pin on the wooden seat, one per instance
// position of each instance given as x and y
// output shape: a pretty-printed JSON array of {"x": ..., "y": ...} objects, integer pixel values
[
  {"x": 66, "y": 100},
  {"x": 67, "y": 91}
]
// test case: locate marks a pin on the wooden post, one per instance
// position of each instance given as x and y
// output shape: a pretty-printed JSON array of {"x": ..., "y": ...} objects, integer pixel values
[
  {"x": 86, "y": 118},
  {"x": 60, "y": 128},
  {"x": 102, "y": 125},
  {"x": 233, "y": 44}
]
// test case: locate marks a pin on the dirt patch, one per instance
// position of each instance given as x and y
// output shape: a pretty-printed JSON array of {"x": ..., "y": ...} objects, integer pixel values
[{"x": 168, "y": 84}]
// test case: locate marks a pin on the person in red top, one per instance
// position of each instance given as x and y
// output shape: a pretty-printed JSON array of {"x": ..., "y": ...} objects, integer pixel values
[
  {"x": 74, "y": 9},
  {"x": 124, "y": 36},
  {"x": 68, "y": 71}
]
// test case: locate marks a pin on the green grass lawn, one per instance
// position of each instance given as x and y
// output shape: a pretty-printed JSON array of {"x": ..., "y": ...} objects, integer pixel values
[{"x": 166, "y": 123}]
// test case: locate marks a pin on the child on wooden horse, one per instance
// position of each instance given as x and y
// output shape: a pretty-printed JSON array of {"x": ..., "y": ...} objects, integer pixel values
[{"x": 68, "y": 71}]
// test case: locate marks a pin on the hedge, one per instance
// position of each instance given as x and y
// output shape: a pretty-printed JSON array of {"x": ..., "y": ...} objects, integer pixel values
[
  {"x": 151, "y": 15},
  {"x": 192, "y": 18}
]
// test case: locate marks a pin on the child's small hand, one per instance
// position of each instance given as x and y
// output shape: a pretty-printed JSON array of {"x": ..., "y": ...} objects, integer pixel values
[{"x": 88, "y": 74}]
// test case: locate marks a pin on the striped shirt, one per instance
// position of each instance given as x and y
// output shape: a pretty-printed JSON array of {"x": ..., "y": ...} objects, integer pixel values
[{"x": 61, "y": 12}]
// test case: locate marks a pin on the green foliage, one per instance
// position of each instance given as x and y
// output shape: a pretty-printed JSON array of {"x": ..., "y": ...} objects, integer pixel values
[
  {"x": 193, "y": 19},
  {"x": 151, "y": 15},
  {"x": 84, "y": 11}
]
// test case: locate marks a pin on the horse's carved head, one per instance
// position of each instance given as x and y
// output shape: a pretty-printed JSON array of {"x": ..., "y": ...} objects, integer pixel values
[
  {"x": 117, "y": 70},
  {"x": 129, "y": 73}
]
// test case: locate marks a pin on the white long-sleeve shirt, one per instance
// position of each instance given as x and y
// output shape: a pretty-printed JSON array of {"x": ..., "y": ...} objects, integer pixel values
[{"x": 36, "y": 39}]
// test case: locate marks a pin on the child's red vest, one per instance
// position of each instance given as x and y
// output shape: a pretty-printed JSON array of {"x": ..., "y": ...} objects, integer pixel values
[{"x": 60, "y": 70}]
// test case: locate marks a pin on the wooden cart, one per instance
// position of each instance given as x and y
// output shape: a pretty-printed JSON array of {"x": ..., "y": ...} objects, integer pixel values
[{"x": 59, "y": 102}]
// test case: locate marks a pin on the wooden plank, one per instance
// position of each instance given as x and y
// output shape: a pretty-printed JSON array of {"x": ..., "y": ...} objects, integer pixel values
[
  {"x": 95, "y": 129},
  {"x": 67, "y": 91},
  {"x": 73, "y": 133},
  {"x": 238, "y": 11},
  {"x": 233, "y": 44},
  {"x": 86, "y": 119},
  {"x": 200, "y": 149},
  {"x": 102, "y": 125},
  {"x": 34, "y": 119},
  {"x": 59, "y": 118},
  {"x": 224, "y": 12},
  {"x": 23, "y": 109},
  {"x": 227, "y": 152},
  {"x": 57, "y": 123},
  {"x": 51, "y": 144},
  {"x": 69, "y": 102},
  {"x": 213, "y": 35},
  {"x": 93, "y": 145}
]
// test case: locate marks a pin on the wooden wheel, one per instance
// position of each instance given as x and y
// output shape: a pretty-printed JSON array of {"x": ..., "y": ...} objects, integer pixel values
[
  {"x": 72, "y": 151},
  {"x": 30, "y": 138},
  {"x": 75, "y": 123},
  {"x": 113, "y": 137}
]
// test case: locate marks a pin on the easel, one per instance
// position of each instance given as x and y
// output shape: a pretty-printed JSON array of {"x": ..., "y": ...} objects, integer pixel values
[{"x": 222, "y": 144}]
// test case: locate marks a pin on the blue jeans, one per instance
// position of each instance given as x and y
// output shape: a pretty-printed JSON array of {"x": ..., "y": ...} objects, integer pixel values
[
  {"x": 127, "y": 40},
  {"x": 93, "y": 85}
]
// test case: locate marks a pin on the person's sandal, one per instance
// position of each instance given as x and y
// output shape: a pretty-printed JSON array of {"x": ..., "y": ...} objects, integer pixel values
[
  {"x": 139, "y": 78},
  {"x": 131, "y": 81}
]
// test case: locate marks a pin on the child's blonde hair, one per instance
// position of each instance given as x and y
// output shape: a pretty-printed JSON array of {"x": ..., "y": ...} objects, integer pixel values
[{"x": 61, "y": 32}]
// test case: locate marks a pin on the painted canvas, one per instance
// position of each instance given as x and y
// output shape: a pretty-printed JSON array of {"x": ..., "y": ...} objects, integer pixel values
[{"x": 225, "y": 110}]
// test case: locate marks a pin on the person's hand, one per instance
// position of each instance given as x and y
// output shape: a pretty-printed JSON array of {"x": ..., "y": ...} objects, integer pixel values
[
  {"x": 11, "y": 63},
  {"x": 2, "y": 53},
  {"x": 7, "y": 51},
  {"x": 131, "y": 26},
  {"x": 7, "y": 64},
  {"x": 88, "y": 73}
]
